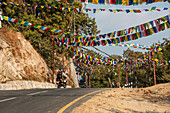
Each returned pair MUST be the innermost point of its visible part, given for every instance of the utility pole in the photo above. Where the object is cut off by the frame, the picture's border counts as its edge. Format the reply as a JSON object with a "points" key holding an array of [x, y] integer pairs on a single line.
{"points": [[89, 81], [74, 20], [126, 77], [119, 77], [136, 78], [86, 82], [154, 67], [53, 63]]}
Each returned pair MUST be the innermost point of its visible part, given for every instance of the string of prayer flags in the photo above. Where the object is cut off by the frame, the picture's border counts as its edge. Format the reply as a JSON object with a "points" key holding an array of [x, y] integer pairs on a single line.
{"points": [[115, 37], [123, 2], [103, 61], [126, 10], [82, 73], [159, 46], [87, 9], [107, 2], [35, 25]]}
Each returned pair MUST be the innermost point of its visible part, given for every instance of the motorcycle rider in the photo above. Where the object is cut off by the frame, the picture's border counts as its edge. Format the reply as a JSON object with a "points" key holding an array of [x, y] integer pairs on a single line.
{"points": [[61, 79], [59, 75], [64, 76]]}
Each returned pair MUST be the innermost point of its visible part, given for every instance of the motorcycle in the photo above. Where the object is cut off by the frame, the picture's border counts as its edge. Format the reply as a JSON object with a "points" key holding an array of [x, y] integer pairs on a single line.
{"points": [[62, 82]]}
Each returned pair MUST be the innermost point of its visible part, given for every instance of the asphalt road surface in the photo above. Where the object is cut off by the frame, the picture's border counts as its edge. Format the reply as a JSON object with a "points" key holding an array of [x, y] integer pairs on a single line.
{"points": [[43, 100]]}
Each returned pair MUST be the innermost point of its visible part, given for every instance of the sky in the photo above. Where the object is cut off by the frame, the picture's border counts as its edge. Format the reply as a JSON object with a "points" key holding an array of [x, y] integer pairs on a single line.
{"points": [[108, 22]]}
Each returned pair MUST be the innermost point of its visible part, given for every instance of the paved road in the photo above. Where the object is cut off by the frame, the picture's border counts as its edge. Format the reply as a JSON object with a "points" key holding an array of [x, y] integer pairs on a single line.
{"points": [[42, 100]]}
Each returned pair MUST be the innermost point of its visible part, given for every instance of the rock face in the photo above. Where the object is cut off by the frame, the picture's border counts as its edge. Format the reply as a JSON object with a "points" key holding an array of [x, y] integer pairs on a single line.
{"points": [[73, 73], [67, 64], [19, 60]]}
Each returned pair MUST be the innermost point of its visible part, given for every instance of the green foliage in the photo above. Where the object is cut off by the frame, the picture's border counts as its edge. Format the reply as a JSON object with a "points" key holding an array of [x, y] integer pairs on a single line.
{"points": [[145, 77], [52, 18]]}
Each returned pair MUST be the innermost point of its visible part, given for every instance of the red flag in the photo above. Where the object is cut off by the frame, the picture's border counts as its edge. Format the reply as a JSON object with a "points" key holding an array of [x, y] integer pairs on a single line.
{"points": [[112, 1], [129, 30]]}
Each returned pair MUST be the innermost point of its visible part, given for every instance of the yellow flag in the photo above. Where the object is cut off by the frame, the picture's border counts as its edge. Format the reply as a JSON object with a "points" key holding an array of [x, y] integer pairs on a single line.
{"points": [[123, 32], [77, 52], [81, 44], [87, 43], [91, 58], [116, 41], [71, 40], [53, 30], [126, 38], [135, 1], [106, 42], [150, 9], [127, 2], [123, 2], [160, 49], [22, 22], [112, 35], [95, 1], [156, 60], [114, 10], [135, 28], [167, 25], [6, 18], [78, 39], [166, 62], [151, 30], [4, 3], [138, 34], [131, 11], [38, 26]]}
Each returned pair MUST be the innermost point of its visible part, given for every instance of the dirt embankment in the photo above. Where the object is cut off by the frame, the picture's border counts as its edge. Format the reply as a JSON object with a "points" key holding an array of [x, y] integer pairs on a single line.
{"points": [[151, 99]]}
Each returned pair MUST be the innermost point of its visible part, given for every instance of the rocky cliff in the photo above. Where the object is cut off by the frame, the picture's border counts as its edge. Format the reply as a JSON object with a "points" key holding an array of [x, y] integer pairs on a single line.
{"points": [[19, 60]]}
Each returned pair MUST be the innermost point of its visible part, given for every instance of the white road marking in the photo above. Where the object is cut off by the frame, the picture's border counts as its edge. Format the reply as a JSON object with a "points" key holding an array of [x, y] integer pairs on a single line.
{"points": [[8, 99], [36, 93]]}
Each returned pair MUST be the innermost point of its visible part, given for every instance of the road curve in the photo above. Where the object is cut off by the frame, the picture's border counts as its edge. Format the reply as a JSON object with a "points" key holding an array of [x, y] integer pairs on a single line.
{"points": [[44, 100]]}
